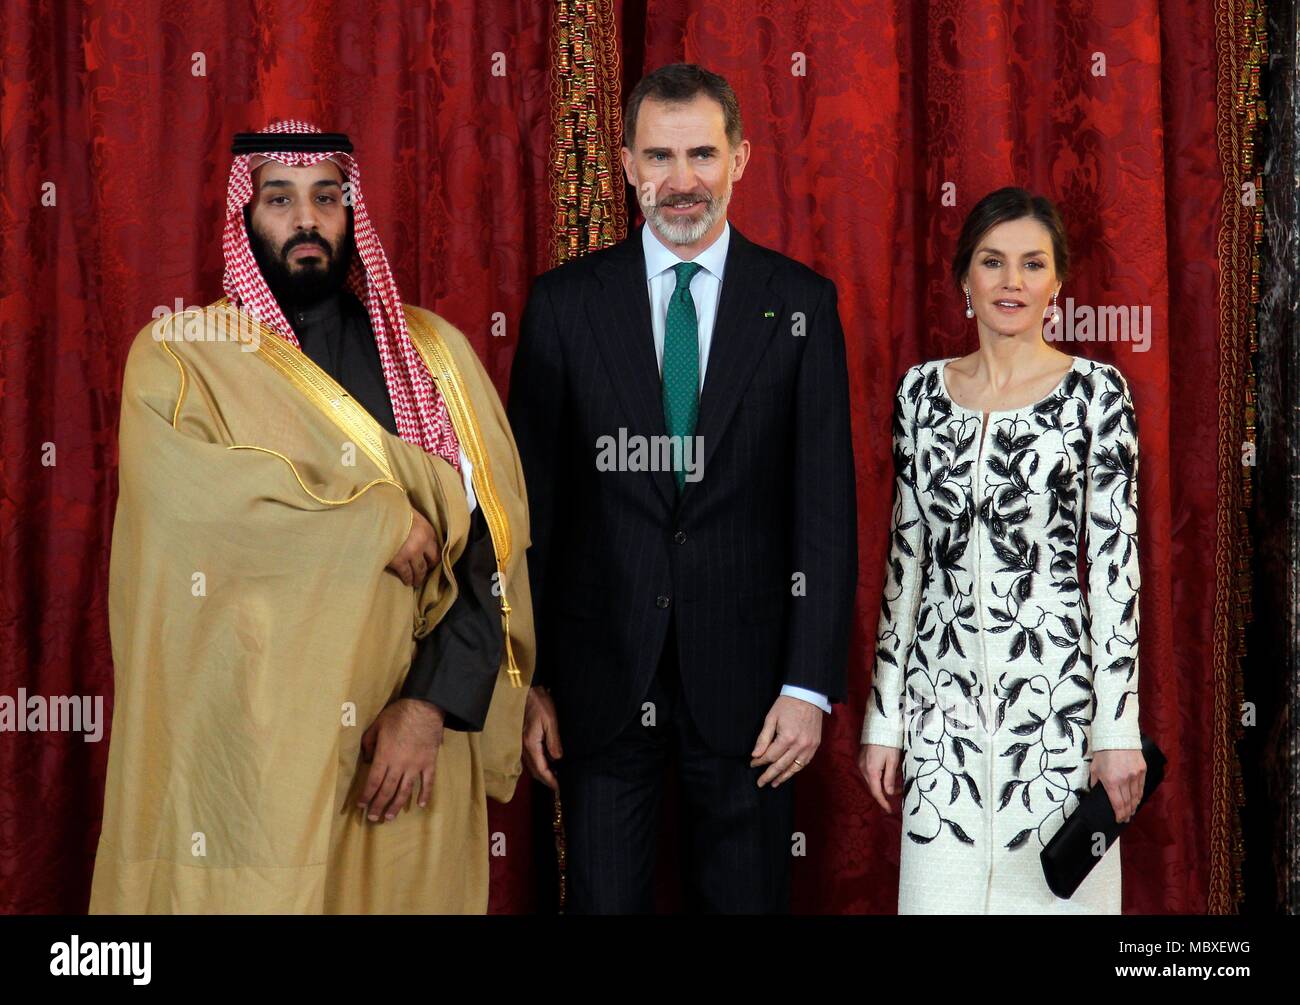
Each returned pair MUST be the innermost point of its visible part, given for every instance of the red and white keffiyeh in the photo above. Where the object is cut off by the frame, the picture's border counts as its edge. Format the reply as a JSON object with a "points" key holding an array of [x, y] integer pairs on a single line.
{"points": [[418, 407]]}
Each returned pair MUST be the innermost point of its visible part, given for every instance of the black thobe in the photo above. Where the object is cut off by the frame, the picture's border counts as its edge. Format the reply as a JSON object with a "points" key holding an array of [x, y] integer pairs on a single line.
{"points": [[455, 665]]}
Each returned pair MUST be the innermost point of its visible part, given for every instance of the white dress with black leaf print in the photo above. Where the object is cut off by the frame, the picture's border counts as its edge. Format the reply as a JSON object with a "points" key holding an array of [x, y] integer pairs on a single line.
{"points": [[998, 672]]}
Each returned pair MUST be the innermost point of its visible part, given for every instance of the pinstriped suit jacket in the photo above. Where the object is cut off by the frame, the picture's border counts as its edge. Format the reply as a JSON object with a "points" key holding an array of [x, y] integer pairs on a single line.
{"points": [[755, 562]]}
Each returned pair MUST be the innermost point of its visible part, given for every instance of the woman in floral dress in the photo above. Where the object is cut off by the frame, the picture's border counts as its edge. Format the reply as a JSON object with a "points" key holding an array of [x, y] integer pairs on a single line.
{"points": [[1006, 678]]}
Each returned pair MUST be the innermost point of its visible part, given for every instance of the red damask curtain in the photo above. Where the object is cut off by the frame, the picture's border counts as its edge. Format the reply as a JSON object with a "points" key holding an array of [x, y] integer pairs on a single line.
{"points": [[115, 122]]}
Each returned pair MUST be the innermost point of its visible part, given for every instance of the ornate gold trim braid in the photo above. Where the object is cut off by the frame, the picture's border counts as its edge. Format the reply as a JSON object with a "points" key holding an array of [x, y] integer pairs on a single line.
{"points": [[328, 502], [1241, 44], [561, 851], [327, 394], [587, 189], [438, 359], [180, 394], [176, 412], [590, 208]]}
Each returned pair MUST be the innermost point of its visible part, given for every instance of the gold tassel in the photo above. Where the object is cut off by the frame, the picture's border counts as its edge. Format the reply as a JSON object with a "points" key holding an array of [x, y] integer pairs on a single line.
{"points": [[440, 364], [516, 680]]}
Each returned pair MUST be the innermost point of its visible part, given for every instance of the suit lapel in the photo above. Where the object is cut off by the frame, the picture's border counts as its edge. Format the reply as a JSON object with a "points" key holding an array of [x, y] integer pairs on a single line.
{"points": [[740, 333], [620, 321]]}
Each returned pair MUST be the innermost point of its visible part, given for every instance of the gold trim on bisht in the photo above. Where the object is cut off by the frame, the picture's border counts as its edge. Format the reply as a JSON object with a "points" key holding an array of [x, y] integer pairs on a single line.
{"points": [[446, 374], [327, 394]]}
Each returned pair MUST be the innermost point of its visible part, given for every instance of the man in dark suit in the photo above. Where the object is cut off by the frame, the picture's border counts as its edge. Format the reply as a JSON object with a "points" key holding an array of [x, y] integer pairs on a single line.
{"points": [[680, 404]]}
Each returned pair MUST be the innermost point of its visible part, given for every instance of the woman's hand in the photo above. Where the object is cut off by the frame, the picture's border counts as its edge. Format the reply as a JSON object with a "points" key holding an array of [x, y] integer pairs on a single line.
{"points": [[418, 554], [1123, 774], [879, 766]]}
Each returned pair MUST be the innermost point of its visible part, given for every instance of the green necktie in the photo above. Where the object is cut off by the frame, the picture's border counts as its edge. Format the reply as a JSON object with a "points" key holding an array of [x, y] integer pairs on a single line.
{"points": [[681, 366]]}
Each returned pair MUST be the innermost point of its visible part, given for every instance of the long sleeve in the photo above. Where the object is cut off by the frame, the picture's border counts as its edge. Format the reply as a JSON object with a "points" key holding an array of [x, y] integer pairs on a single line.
{"points": [[536, 411], [902, 589], [804, 694], [824, 540], [1113, 576], [455, 665]]}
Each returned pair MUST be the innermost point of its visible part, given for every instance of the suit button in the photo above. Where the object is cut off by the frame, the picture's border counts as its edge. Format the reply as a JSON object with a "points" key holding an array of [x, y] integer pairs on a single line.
{"points": [[662, 601], [680, 537]]}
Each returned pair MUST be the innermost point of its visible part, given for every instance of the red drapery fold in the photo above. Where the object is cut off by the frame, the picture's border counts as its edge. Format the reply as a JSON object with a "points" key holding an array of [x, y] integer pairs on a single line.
{"points": [[116, 124]]}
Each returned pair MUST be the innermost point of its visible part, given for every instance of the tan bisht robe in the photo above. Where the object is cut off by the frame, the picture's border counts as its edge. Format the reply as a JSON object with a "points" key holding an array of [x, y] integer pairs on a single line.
{"points": [[256, 633]]}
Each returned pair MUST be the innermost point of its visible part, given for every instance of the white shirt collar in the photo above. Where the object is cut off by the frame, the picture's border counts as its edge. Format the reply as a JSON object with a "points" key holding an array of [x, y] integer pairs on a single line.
{"points": [[659, 257]]}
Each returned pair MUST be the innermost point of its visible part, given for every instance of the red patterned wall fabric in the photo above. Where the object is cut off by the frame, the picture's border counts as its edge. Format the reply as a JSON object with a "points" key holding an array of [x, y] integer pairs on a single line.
{"points": [[115, 123]]}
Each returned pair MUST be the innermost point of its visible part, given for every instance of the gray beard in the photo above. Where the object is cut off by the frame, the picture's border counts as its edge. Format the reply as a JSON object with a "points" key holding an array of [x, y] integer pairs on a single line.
{"points": [[684, 232]]}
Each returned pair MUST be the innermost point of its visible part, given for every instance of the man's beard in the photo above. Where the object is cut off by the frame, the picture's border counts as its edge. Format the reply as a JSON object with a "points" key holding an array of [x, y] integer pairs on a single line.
{"points": [[306, 285], [685, 232]]}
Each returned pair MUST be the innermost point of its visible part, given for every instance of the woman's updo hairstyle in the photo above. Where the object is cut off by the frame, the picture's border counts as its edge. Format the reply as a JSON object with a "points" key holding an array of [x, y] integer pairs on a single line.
{"points": [[1010, 204]]}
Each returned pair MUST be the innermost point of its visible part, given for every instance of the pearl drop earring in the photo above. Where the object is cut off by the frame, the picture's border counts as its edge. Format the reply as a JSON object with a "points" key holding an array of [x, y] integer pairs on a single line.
{"points": [[1055, 312], [970, 311]]}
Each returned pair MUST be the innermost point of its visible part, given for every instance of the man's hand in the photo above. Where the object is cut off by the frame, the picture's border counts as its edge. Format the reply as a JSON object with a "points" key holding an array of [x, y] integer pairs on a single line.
{"points": [[879, 766], [1123, 775], [402, 748], [418, 554], [541, 736], [791, 734]]}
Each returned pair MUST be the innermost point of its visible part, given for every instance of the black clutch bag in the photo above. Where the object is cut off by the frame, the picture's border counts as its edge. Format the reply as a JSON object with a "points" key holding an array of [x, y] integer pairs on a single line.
{"points": [[1068, 857]]}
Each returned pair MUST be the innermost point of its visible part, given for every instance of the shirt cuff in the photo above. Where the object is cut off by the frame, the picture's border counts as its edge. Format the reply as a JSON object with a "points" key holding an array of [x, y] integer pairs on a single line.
{"points": [[812, 697]]}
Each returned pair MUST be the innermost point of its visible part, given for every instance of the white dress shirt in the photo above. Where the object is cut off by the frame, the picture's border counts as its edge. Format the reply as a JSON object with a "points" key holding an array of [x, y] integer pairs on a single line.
{"points": [[706, 285], [467, 474]]}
